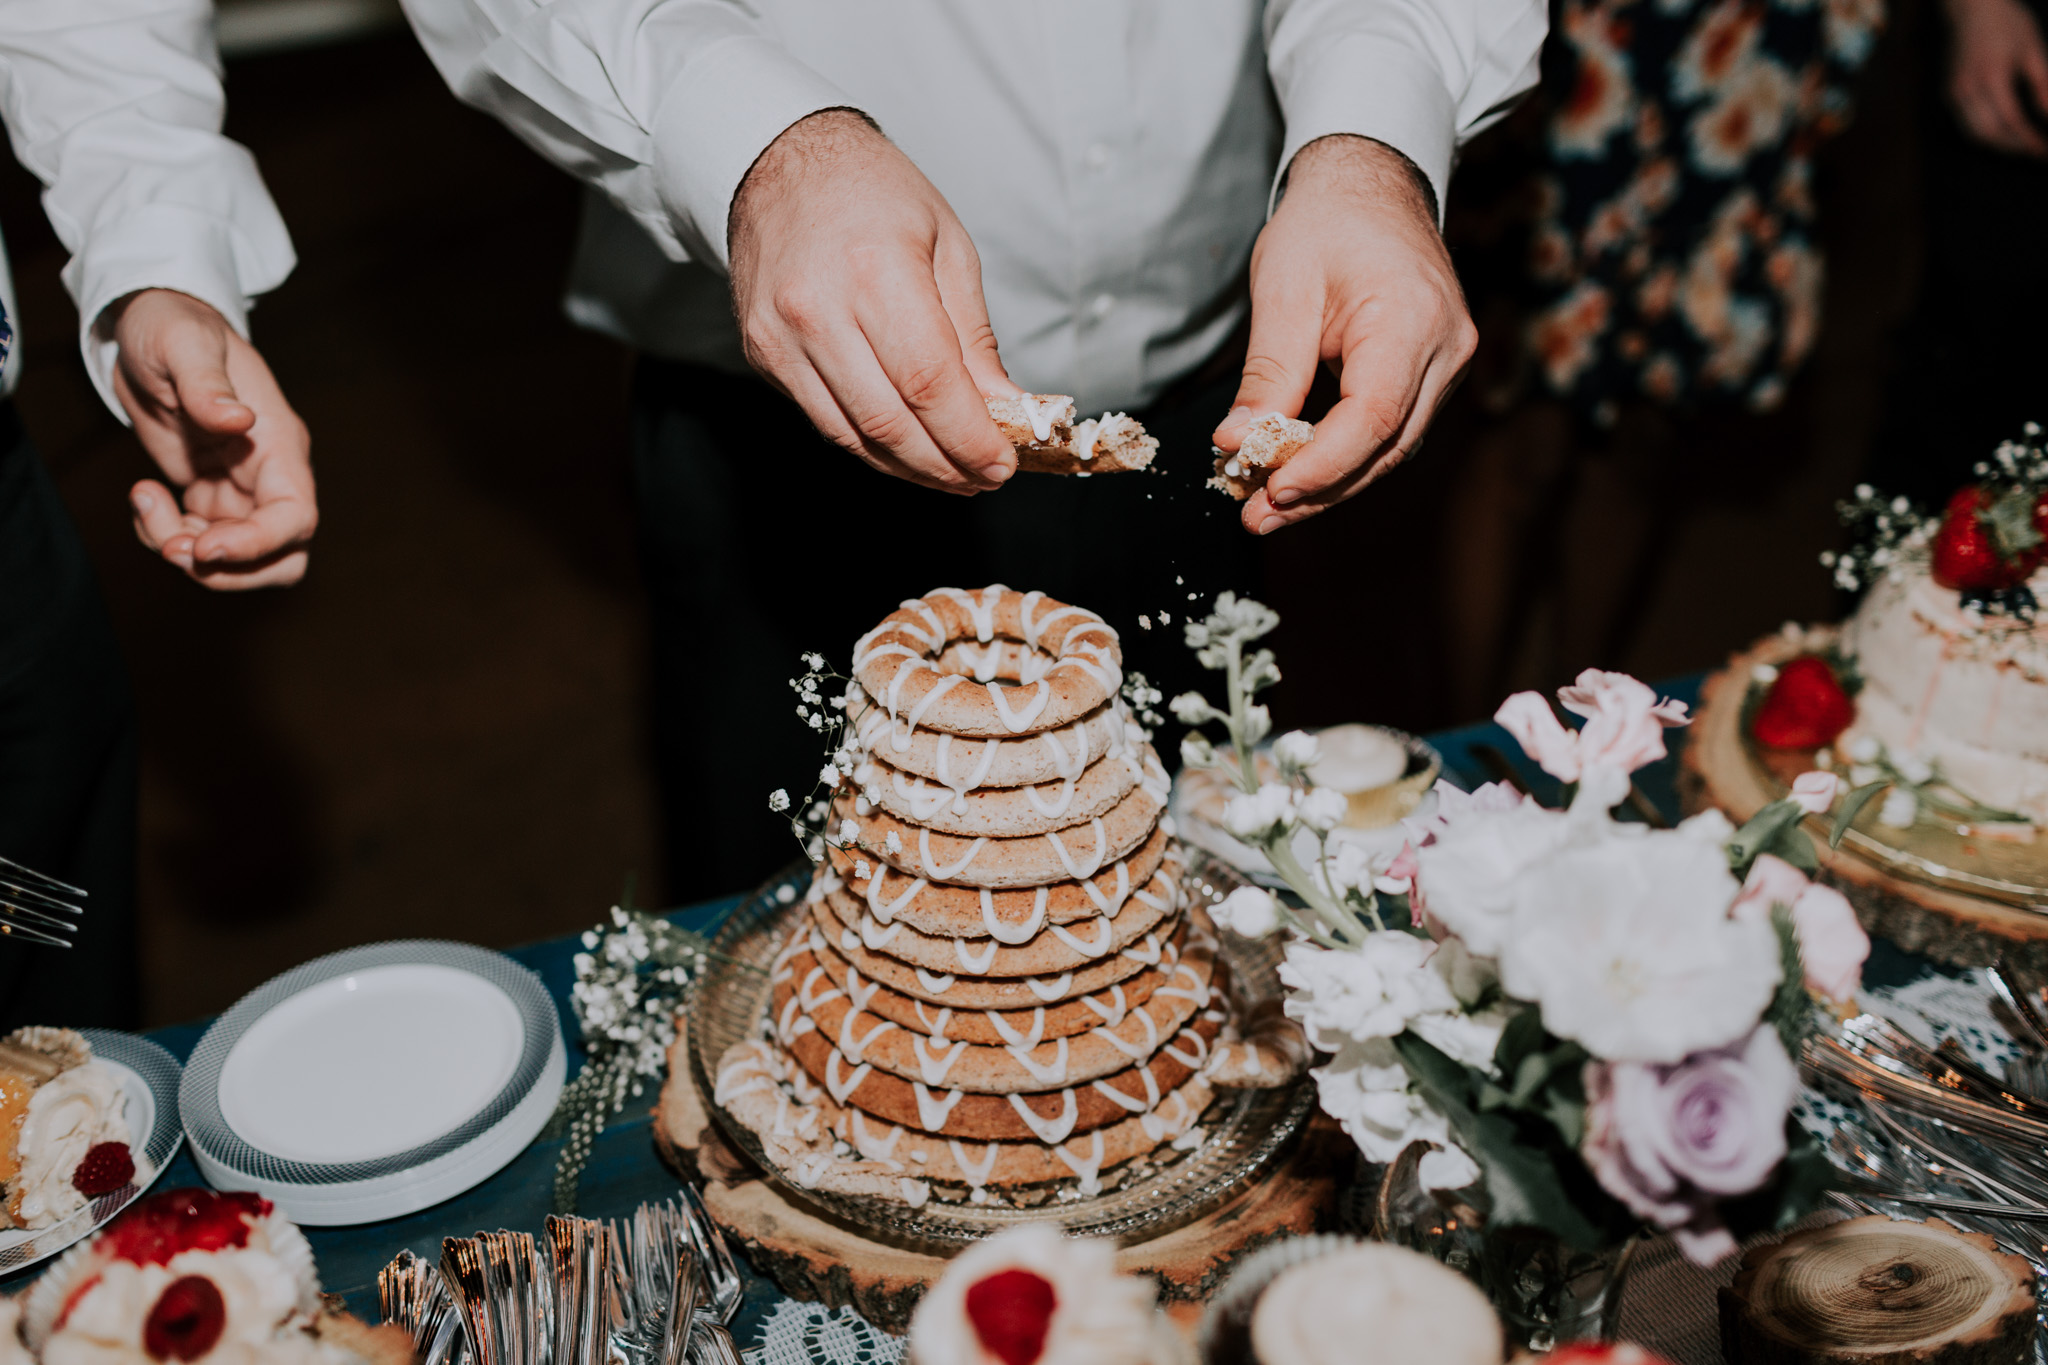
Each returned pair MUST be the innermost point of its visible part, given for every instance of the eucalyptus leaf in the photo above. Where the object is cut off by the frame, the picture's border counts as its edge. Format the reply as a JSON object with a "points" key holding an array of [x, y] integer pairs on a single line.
{"points": [[1852, 806]]}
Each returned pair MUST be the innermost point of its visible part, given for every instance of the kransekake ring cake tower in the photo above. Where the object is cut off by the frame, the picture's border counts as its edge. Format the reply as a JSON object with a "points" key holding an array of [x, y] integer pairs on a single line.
{"points": [[999, 982]]}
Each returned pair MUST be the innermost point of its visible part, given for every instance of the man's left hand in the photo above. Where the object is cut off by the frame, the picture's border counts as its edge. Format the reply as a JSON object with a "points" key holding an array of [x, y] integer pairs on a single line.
{"points": [[209, 412], [1351, 271]]}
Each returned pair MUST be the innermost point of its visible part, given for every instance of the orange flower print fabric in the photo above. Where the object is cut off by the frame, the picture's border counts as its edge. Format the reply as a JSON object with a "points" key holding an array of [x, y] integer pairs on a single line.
{"points": [[1672, 250]]}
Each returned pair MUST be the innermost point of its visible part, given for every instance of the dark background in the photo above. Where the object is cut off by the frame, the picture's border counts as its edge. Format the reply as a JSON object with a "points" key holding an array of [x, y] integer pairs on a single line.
{"points": [[441, 731]]}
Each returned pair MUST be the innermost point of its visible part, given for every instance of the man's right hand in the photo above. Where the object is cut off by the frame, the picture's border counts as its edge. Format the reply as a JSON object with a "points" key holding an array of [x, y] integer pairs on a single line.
{"points": [[858, 294], [1999, 51]]}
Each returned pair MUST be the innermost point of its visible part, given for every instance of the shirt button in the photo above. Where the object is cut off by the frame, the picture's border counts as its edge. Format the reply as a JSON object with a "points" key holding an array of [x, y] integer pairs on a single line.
{"points": [[1099, 306], [1097, 157]]}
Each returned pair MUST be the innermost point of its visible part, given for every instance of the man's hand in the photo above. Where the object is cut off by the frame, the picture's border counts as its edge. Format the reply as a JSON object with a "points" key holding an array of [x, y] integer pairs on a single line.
{"points": [[209, 413], [1351, 270], [1998, 47], [859, 295]]}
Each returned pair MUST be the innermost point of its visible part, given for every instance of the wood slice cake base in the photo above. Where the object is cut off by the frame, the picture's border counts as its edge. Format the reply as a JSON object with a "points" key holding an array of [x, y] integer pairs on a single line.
{"points": [[812, 1256], [1719, 768], [1874, 1290]]}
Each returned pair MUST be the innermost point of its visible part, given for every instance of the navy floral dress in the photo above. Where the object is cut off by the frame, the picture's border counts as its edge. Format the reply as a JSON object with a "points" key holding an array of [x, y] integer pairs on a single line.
{"points": [[1671, 245]]}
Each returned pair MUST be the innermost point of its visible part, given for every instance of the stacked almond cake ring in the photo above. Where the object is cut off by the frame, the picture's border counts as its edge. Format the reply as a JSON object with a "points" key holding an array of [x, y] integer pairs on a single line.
{"points": [[998, 982]]}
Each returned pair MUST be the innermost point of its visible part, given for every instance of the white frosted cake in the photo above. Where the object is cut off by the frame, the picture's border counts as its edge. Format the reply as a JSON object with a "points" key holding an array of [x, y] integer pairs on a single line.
{"points": [[1959, 689]]}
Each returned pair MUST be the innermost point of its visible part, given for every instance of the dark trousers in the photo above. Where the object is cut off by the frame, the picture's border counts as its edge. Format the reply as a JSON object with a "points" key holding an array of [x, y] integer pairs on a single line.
{"points": [[67, 754], [1974, 357], [761, 541]]}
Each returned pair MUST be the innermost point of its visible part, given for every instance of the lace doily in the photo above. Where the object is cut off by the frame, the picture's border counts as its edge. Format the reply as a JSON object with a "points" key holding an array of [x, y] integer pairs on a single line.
{"points": [[812, 1334]]}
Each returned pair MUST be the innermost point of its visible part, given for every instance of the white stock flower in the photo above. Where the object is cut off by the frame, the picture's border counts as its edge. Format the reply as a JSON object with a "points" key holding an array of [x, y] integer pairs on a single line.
{"points": [[1365, 1088], [1258, 723], [1371, 992], [1468, 1039], [1296, 749], [1627, 946], [1249, 910], [1468, 975], [1321, 808], [1483, 846], [1197, 752], [1192, 708], [1709, 827], [1268, 810]]}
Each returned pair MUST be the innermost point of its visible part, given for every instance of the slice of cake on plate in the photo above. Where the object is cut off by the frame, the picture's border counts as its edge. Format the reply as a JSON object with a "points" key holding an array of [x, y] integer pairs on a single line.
{"points": [[64, 1134]]}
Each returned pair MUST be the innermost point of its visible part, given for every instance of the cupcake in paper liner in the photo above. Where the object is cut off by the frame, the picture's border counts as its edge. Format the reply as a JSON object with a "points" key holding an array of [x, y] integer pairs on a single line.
{"points": [[1031, 1296], [64, 1136], [1334, 1300], [186, 1275]]}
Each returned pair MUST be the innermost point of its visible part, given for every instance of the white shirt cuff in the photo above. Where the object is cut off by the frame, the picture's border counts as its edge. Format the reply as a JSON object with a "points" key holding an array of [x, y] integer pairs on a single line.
{"points": [[166, 246], [730, 101], [1381, 89]]}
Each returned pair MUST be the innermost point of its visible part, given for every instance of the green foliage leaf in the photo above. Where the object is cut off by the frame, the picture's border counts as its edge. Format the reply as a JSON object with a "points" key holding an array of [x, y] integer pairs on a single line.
{"points": [[1774, 830], [1791, 1010], [1852, 806]]}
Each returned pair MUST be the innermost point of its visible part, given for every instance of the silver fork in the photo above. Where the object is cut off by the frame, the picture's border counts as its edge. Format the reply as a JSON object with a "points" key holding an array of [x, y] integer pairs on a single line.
{"points": [[711, 1341], [30, 909]]}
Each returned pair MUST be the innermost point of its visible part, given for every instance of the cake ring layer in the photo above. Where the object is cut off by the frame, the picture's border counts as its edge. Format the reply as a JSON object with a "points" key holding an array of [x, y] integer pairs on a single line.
{"points": [[977, 764], [1078, 851], [1161, 946], [1007, 812]]}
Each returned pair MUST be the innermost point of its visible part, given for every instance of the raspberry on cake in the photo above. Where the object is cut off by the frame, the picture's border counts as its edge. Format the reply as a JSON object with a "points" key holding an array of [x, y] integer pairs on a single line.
{"points": [[64, 1134]]}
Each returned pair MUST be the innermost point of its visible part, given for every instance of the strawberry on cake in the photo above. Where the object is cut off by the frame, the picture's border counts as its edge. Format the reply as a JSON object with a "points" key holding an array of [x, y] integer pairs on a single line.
{"points": [[192, 1276]]}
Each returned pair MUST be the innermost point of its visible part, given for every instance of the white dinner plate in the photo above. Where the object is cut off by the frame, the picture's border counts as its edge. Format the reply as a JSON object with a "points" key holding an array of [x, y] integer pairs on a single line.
{"points": [[148, 1076], [376, 1081]]}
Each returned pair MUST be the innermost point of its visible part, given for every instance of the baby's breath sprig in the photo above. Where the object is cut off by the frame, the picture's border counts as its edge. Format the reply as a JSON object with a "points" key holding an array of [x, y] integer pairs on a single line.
{"points": [[630, 980], [1885, 535], [832, 704], [1144, 701]]}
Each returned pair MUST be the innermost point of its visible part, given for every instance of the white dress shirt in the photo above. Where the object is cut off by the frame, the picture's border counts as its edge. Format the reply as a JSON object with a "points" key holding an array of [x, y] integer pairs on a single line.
{"points": [[1112, 159], [115, 105]]}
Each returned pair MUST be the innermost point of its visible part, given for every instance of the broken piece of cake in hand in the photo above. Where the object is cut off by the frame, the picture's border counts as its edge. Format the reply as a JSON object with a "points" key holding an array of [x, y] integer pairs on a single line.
{"points": [[1269, 443], [1048, 440]]}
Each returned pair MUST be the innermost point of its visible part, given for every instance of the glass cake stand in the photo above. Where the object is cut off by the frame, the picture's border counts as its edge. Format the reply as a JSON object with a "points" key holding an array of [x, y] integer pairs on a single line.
{"points": [[1244, 1131]]}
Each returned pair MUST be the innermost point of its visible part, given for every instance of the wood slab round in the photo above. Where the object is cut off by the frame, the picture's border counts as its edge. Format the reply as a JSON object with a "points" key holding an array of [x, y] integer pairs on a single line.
{"points": [[1717, 768], [811, 1256], [1872, 1289]]}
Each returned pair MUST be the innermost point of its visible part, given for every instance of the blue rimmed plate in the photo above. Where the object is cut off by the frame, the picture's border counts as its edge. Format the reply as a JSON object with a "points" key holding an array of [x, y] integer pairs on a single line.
{"points": [[375, 1081], [149, 1086]]}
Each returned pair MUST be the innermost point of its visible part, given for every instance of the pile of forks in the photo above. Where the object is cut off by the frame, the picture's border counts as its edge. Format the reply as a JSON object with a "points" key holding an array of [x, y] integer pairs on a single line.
{"points": [[658, 1289]]}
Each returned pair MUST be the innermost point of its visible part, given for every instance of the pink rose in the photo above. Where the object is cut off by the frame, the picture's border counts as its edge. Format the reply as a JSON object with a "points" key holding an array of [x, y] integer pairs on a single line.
{"points": [[1832, 945], [1541, 734], [1668, 1141], [1625, 722], [1815, 791]]}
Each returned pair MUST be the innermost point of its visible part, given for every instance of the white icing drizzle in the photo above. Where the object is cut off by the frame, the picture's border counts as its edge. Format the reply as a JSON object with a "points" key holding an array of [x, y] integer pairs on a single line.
{"points": [[1149, 954], [1201, 1049], [935, 1027], [1054, 1131], [933, 1113], [874, 935], [1133, 1050], [1040, 412], [1066, 860], [872, 1147], [914, 1192], [854, 992], [934, 1069], [1105, 934], [982, 614], [967, 962], [1197, 992], [778, 969], [1058, 987], [937, 985], [848, 940], [944, 762], [1165, 896], [1019, 721], [839, 1088], [1003, 933], [811, 978], [1130, 1102], [923, 800], [856, 1048], [1089, 1168], [1069, 766], [899, 740], [1112, 906], [793, 1024], [976, 1173], [932, 869], [1156, 1123], [1014, 1038], [1111, 1015], [1056, 808], [1053, 1073]]}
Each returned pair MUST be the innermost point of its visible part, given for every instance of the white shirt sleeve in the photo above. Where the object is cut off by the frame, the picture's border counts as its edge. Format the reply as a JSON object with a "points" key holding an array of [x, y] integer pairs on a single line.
{"points": [[115, 105], [1421, 76], [662, 104]]}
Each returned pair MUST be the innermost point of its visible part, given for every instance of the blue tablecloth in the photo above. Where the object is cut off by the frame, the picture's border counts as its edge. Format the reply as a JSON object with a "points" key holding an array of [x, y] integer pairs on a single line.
{"points": [[624, 1170]]}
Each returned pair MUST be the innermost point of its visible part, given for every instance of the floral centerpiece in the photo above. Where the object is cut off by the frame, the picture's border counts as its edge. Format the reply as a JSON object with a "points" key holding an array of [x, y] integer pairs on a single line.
{"points": [[1590, 1023]]}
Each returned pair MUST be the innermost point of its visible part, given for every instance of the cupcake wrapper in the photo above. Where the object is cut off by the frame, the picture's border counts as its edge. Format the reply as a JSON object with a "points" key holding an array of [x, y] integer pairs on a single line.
{"points": [[1225, 1336]]}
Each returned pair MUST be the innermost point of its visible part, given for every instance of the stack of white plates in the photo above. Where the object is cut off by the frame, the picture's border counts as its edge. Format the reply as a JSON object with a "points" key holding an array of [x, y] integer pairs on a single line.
{"points": [[376, 1081]]}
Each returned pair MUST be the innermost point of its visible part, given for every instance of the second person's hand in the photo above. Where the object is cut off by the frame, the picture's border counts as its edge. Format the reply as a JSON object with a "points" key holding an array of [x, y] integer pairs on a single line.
{"points": [[858, 294]]}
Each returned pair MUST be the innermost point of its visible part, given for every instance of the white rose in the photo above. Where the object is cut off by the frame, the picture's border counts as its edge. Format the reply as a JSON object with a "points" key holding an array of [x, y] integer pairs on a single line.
{"points": [[1250, 911], [1321, 808], [1627, 946], [1371, 992], [1468, 874], [1296, 749], [1268, 810], [1366, 1089]]}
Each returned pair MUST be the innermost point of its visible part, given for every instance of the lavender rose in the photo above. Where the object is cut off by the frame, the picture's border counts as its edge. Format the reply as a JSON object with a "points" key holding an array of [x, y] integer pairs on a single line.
{"points": [[1667, 1141]]}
